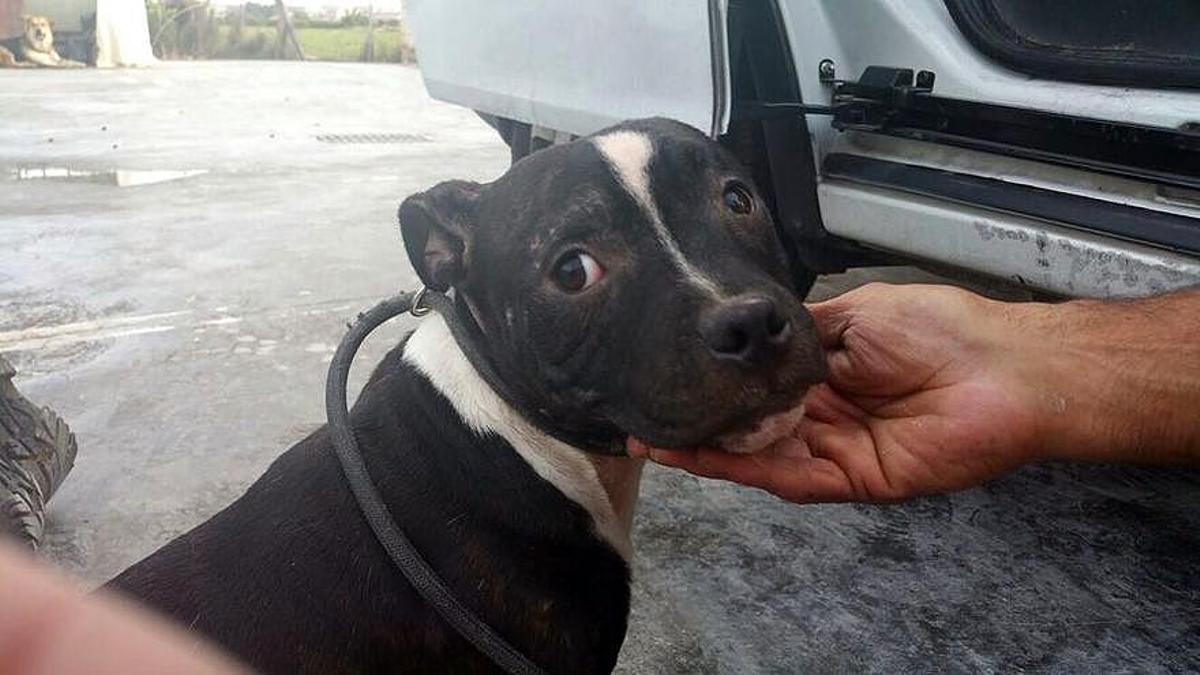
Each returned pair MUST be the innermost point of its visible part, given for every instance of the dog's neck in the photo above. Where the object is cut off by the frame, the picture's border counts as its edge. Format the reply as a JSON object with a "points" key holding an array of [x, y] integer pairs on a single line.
{"points": [[606, 487]]}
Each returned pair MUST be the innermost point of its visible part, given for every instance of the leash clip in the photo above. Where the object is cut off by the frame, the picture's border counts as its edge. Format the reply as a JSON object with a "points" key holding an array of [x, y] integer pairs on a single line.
{"points": [[418, 309]]}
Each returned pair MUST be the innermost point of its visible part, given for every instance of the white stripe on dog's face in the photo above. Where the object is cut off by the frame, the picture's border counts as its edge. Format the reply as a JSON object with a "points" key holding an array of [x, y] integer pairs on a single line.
{"points": [[629, 153]]}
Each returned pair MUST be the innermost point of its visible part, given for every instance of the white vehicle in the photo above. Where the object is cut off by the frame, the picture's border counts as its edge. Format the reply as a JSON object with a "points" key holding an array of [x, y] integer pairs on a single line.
{"points": [[1052, 144]]}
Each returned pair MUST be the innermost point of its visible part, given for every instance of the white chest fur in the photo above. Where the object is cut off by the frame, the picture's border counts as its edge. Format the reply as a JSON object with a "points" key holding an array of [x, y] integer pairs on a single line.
{"points": [[433, 351]]}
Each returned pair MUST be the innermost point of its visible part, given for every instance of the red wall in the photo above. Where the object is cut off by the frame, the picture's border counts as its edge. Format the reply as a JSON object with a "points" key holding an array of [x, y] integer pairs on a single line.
{"points": [[10, 17]]}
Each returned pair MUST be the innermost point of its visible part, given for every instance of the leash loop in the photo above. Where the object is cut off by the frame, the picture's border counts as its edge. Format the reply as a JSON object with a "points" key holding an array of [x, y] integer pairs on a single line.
{"points": [[399, 547], [419, 308]]}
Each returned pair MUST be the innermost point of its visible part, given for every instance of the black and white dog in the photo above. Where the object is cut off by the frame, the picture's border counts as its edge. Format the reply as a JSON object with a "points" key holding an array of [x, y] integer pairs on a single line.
{"points": [[628, 284]]}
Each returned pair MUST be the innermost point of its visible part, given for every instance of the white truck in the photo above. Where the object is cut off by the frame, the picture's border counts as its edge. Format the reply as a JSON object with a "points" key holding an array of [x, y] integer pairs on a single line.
{"points": [[1055, 145]]}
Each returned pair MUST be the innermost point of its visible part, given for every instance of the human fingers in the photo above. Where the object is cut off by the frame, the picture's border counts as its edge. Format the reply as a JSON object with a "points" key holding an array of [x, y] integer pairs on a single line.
{"points": [[832, 317], [784, 472], [835, 315]]}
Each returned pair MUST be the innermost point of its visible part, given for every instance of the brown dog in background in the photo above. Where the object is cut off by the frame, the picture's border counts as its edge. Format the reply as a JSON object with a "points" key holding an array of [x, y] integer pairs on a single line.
{"points": [[35, 47]]}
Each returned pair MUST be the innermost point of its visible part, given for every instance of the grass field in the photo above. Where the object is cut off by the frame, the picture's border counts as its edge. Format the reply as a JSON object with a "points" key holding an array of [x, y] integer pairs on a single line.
{"points": [[346, 44], [319, 44]]}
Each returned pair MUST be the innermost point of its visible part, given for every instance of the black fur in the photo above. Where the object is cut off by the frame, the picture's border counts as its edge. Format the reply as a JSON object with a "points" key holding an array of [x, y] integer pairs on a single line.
{"points": [[290, 579], [16, 45], [626, 356]]}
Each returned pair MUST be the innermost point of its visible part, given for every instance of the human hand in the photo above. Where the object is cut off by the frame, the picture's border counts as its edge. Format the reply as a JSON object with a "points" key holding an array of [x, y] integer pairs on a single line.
{"points": [[931, 389], [48, 626]]}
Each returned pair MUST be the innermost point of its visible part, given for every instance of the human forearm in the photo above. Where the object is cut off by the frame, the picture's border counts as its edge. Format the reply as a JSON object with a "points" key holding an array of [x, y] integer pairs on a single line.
{"points": [[1117, 381]]}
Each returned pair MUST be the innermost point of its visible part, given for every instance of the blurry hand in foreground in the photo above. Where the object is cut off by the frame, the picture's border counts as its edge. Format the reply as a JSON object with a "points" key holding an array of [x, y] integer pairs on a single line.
{"points": [[48, 626]]}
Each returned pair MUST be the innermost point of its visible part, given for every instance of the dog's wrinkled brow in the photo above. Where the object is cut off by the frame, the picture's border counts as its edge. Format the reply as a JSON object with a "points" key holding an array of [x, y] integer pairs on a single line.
{"points": [[629, 153], [582, 215], [575, 228]]}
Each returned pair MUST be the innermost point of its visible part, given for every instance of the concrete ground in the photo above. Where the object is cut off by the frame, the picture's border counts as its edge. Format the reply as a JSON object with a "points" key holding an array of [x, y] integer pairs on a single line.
{"points": [[182, 248]]}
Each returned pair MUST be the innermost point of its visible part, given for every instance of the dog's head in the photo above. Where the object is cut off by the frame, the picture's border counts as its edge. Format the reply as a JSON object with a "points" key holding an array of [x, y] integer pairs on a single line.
{"points": [[632, 281], [39, 33]]}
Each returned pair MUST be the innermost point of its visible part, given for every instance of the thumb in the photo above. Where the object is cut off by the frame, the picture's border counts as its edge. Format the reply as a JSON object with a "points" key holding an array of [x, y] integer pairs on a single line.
{"points": [[832, 318], [845, 370]]}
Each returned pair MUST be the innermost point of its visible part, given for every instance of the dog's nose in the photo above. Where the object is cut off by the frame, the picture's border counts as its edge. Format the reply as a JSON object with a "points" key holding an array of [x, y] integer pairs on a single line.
{"points": [[747, 329]]}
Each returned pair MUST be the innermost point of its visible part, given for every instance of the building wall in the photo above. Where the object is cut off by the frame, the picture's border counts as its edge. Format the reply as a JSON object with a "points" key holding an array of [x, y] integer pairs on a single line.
{"points": [[10, 17], [65, 13]]}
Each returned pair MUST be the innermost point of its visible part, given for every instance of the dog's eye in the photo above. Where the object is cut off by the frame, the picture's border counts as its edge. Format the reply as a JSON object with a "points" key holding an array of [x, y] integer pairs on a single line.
{"points": [[737, 199], [576, 271]]}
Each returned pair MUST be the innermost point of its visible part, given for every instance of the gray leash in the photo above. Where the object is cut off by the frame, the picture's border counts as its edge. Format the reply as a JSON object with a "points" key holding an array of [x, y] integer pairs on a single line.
{"points": [[399, 548]]}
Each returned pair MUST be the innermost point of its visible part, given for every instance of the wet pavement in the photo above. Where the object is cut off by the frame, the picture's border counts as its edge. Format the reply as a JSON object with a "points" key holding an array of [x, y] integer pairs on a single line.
{"points": [[183, 246]]}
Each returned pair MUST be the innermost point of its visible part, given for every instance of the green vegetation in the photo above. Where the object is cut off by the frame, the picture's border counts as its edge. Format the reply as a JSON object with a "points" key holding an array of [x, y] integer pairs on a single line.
{"points": [[318, 43], [346, 44], [190, 29]]}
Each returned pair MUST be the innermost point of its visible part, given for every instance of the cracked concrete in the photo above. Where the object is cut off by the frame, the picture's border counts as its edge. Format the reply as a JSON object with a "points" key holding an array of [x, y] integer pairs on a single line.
{"points": [[182, 326]]}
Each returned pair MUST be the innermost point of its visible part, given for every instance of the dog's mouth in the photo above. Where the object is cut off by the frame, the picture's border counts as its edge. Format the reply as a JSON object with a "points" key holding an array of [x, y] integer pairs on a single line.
{"points": [[773, 423], [764, 431]]}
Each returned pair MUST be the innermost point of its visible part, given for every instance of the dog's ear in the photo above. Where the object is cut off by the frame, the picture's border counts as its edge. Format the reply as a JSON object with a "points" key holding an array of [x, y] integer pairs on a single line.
{"points": [[437, 226]]}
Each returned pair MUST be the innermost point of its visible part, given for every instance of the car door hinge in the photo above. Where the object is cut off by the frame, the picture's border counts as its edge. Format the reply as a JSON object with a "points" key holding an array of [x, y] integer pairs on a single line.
{"points": [[864, 103]]}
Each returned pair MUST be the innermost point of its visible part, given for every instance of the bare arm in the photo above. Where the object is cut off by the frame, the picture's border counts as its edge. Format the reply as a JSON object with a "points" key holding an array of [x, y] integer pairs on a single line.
{"points": [[934, 389], [1128, 377]]}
